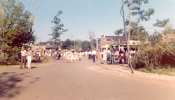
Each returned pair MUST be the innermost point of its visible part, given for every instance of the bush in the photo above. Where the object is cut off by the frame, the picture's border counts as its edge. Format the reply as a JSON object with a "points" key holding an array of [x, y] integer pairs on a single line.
{"points": [[10, 56], [153, 56]]}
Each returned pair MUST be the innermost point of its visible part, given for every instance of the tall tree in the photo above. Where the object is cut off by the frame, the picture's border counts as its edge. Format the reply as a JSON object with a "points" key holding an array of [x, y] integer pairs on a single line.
{"points": [[58, 28], [136, 14], [137, 9], [15, 27]]}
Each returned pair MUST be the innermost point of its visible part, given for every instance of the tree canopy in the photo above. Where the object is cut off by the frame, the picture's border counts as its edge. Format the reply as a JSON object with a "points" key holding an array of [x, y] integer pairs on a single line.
{"points": [[58, 28], [161, 23], [15, 27], [135, 13], [137, 9], [76, 44]]}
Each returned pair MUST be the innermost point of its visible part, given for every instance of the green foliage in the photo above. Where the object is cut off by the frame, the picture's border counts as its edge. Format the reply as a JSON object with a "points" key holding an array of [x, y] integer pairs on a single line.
{"points": [[138, 33], [68, 44], [86, 45], [58, 28], [136, 8], [136, 13], [15, 29], [153, 56], [155, 38], [161, 23], [119, 32], [76, 44], [158, 53]]}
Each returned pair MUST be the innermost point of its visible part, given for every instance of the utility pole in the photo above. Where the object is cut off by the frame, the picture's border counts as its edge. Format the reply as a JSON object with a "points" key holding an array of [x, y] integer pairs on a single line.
{"points": [[127, 34], [97, 44], [74, 45]]}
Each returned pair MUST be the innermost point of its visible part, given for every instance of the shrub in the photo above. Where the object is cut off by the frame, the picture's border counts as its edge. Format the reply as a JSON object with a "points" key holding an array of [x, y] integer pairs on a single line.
{"points": [[9, 56], [153, 56]]}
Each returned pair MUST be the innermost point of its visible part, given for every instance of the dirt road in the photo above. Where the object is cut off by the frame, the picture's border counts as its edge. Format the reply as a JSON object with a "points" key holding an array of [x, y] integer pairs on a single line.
{"points": [[77, 81]]}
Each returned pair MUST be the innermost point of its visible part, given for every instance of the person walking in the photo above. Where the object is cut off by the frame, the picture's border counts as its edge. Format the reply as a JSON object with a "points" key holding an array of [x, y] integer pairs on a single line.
{"points": [[23, 58], [29, 58]]}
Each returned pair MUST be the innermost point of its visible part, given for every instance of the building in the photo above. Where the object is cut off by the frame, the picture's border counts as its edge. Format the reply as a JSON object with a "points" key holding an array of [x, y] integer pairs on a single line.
{"points": [[115, 41], [108, 41]]}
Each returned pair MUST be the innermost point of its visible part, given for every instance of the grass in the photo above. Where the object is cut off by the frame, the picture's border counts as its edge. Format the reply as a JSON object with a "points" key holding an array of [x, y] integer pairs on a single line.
{"points": [[162, 71]]}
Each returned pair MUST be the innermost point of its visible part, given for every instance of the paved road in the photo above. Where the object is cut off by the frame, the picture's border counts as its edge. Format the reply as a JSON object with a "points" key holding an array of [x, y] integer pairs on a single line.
{"points": [[76, 81]]}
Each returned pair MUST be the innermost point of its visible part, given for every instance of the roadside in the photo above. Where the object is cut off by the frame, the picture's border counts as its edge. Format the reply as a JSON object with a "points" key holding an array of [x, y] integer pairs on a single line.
{"points": [[124, 71], [170, 71], [16, 68], [119, 70]]}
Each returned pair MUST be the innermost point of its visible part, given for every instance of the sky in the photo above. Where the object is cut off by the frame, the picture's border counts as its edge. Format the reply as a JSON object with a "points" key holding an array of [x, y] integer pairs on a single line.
{"points": [[82, 17]]}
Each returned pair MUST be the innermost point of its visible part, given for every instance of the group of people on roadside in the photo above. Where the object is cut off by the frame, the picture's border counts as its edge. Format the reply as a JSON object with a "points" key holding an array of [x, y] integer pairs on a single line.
{"points": [[99, 56], [26, 58], [110, 56]]}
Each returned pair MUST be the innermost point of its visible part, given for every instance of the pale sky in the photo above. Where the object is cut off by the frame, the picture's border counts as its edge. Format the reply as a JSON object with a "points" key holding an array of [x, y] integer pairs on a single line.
{"points": [[83, 16]]}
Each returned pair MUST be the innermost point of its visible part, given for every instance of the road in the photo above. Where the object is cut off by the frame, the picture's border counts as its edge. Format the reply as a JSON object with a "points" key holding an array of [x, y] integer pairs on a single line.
{"points": [[77, 81]]}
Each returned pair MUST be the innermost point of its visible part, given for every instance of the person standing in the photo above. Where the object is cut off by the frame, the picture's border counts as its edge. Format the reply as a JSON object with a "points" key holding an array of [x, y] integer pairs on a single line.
{"points": [[116, 54], [98, 58], [29, 58], [104, 56], [109, 60], [23, 58], [94, 56]]}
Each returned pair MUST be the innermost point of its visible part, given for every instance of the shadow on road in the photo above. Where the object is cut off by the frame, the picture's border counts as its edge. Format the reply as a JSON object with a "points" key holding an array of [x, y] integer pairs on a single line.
{"points": [[9, 86], [34, 67]]}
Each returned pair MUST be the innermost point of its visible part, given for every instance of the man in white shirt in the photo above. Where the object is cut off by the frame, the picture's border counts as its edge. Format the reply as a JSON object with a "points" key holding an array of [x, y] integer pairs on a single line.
{"points": [[23, 58], [104, 56]]}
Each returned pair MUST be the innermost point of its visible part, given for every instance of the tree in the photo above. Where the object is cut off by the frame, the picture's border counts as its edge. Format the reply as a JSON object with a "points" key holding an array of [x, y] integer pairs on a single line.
{"points": [[119, 32], [137, 13], [161, 23], [155, 38], [93, 40], [15, 28], [138, 33], [58, 28], [86, 45], [77, 45], [137, 9], [67, 44]]}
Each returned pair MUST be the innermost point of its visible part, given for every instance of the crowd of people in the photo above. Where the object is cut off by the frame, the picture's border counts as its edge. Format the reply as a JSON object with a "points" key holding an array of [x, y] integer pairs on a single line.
{"points": [[72, 56], [104, 56], [110, 56], [66, 55]]}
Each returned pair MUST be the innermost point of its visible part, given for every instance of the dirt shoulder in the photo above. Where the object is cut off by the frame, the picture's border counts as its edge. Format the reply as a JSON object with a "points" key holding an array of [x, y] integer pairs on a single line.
{"points": [[124, 71]]}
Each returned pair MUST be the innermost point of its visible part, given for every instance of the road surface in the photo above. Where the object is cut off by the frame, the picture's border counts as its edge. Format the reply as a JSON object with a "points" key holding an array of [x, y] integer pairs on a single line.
{"points": [[59, 80]]}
